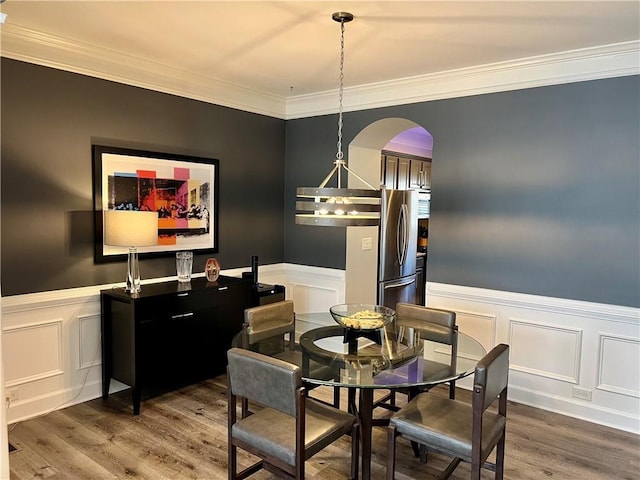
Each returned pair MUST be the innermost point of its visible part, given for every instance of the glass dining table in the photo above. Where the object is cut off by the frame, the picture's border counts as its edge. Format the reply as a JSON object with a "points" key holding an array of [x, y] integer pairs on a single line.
{"points": [[392, 358]]}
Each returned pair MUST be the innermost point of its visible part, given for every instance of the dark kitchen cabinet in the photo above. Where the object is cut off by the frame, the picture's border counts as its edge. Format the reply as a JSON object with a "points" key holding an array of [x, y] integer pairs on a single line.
{"points": [[402, 171], [171, 334], [395, 172], [390, 171], [420, 174]]}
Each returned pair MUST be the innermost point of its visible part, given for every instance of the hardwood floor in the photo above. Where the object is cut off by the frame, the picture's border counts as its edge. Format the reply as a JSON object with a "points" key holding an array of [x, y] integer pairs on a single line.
{"points": [[182, 435]]}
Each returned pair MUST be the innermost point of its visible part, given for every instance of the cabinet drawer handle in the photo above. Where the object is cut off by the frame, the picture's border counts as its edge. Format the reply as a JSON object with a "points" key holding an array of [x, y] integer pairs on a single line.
{"points": [[222, 288], [184, 294], [181, 315]]}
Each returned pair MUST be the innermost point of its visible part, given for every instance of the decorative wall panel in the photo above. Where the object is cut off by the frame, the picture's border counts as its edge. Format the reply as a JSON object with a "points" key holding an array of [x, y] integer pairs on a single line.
{"points": [[43, 342], [89, 338], [546, 350], [616, 373], [480, 326], [309, 298]]}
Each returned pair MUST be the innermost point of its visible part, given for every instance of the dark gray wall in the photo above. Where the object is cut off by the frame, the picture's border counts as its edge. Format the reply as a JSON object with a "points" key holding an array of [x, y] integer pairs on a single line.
{"points": [[49, 120], [534, 191]]}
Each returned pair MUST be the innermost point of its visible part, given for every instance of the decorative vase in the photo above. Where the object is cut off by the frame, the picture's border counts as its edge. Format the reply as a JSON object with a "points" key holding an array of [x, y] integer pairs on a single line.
{"points": [[212, 269]]}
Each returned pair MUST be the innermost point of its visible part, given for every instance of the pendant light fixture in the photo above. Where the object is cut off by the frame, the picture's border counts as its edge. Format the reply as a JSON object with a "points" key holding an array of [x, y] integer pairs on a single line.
{"points": [[338, 207]]}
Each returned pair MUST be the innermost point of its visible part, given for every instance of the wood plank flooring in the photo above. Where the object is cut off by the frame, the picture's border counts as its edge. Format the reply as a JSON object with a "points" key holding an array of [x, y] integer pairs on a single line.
{"points": [[182, 435]]}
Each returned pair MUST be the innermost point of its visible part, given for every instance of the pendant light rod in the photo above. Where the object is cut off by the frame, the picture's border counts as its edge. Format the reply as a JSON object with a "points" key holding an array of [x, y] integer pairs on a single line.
{"points": [[342, 18]]}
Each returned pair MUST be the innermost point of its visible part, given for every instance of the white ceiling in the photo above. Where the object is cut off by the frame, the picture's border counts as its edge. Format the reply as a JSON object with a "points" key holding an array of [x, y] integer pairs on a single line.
{"points": [[285, 51]]}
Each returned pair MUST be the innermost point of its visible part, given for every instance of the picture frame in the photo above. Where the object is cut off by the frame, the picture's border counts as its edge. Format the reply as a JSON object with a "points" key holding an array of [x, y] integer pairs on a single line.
{"points": [[183, 189]]}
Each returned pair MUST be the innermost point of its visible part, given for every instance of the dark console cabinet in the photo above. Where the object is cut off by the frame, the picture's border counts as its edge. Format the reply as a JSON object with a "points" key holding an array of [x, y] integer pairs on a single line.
{"points": [[171, 334]]}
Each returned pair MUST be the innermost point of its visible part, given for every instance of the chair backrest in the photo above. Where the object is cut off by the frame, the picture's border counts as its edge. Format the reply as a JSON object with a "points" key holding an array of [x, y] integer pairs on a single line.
{"points": [[432, 324], [262, 379], [269, 320], [492, 374]]}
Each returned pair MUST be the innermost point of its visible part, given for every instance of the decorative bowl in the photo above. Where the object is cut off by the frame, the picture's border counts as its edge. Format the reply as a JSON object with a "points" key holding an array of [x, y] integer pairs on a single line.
{"points": [[362, 316]]}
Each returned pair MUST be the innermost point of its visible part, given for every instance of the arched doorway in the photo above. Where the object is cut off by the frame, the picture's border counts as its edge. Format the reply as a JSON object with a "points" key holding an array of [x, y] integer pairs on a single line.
{"points": [[365, 158]]}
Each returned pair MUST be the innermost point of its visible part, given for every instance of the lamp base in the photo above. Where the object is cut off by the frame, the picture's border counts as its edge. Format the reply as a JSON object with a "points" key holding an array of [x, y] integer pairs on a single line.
{"points": [[133, 272]]}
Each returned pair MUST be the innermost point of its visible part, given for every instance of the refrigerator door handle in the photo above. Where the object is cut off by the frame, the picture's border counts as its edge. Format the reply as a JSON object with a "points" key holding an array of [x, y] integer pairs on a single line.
{"points": [[396, 285], [403, 234]]}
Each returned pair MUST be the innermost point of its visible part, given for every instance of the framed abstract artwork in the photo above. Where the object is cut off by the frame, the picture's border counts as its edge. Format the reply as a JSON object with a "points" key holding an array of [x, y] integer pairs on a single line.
{"points": [[182, 189]]}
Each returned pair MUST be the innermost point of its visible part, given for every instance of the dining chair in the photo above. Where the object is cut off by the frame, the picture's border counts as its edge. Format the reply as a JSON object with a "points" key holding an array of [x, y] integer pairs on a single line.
{"points": [[268, 326], [289, 428], [466, 432], [430, 324], [270, 329]]}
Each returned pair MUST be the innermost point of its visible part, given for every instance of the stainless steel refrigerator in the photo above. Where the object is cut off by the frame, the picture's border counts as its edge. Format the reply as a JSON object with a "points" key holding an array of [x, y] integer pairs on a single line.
{"points": [[397, 247]]}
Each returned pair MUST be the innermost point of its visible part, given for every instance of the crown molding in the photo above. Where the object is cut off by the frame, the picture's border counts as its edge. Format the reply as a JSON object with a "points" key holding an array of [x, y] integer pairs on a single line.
{"points": [[27, 45], [607, 61]]}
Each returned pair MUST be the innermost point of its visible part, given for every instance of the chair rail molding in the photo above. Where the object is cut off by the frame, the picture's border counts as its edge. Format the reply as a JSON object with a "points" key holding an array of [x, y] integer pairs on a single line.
{"points": [[576, 308]]}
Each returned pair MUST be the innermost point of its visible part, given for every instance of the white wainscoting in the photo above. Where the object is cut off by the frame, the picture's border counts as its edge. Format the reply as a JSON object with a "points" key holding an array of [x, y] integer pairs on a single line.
{"points": [[51, 350], [562, 351], [51, 344], [51, 340]]}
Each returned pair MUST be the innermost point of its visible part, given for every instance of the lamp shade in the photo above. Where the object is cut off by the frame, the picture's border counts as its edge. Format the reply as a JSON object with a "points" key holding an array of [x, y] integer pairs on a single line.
{"points": [[130, 228]]}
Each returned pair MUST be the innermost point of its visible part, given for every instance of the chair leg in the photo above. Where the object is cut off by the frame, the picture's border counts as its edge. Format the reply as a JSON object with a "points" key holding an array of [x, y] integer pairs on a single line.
{"points": [[355, 451], [500, 459], [391, 452], [452, 390], [424, 454], [416, 448], [300, 471], [232, 467], [336, 397], [475, 470], [451, 468], [232, 414]]}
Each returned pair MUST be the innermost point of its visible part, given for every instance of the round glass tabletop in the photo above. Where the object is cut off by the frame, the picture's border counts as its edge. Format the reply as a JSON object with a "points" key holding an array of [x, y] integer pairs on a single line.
{"points": [[388, 357], [397, 359]]}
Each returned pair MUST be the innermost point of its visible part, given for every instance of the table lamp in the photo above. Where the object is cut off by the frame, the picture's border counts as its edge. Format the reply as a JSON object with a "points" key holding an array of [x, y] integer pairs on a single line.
{"points": [[133, 229]]}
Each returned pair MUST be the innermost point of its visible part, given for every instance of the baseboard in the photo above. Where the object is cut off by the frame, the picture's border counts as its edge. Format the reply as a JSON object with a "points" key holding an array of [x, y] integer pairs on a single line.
{"points": [[577, 409], [55, 400]]}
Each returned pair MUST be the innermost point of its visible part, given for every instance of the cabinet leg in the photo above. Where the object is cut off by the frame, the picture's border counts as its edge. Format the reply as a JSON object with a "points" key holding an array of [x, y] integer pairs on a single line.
{"points": [[105, 387], [105, 340], [135, 397]]}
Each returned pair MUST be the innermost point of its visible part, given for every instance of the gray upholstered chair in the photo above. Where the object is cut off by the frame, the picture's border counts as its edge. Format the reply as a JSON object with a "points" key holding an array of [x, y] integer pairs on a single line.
{"points": [[290, 428], [266, 327], [434, 325], [270, 329], [466, 432], [431, 324]]}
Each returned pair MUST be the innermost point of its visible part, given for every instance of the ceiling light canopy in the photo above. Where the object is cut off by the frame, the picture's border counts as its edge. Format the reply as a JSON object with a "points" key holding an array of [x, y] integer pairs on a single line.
{"points": [[338, 207]]}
